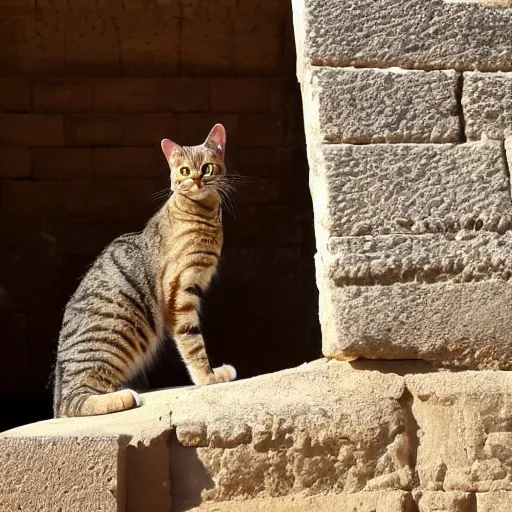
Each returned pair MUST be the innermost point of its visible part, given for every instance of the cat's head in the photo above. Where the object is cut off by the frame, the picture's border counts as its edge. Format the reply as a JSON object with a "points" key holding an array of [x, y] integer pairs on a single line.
{"points": [[196, 169]]}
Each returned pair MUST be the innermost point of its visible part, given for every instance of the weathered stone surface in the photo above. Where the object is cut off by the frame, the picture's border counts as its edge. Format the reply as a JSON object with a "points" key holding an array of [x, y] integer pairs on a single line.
{"points": [[388, 501], [487, 104], [68, 450], [432, 501], [465, 430], [376, 105], [454, 324], [430, 258], [50, 473], [327, 429], [494, 501], [382, 188], [413, 34]]}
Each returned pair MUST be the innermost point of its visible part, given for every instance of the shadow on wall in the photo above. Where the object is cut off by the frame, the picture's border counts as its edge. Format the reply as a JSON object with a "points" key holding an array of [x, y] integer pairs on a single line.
{"points": [[80, 125]]}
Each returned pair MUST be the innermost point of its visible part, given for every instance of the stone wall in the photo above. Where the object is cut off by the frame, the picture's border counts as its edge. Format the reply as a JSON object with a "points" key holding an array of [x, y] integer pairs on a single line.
{"points": [[408, 124], [87, 91]]}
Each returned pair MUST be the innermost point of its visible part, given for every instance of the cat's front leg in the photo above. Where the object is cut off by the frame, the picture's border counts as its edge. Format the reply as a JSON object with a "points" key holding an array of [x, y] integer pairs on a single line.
{"points": [[183, 307]]}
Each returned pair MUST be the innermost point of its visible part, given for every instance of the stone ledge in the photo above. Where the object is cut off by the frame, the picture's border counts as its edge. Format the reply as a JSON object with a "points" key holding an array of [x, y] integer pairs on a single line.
{"points": [[374, 105]]}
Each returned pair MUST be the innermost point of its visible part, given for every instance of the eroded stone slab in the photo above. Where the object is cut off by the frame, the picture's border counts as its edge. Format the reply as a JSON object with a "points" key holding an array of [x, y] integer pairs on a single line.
{"points": [[49, 473], [494, 502], [487, 104], [319, 428], [381, 105], [430, 501], [413, 34], [452, 324], [390, 501], [395, 188], [465, 432]]}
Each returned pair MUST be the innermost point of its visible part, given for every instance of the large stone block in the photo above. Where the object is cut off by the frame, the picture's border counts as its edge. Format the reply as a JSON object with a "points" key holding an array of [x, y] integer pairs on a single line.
{"points": [[329, 428], [376, 105], [494, 501], [465, 433], [403, 188], [51, 473], [464, 324], [487, 104], [413, 34], [431, 501]]}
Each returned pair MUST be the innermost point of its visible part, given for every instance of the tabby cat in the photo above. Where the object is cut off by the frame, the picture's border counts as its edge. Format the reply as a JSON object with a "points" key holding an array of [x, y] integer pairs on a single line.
{"points": [[145, 286]]}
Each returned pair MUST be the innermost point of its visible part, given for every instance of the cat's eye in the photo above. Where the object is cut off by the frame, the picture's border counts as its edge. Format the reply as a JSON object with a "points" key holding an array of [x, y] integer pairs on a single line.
{"points": [[209, 169], [184, 171]]}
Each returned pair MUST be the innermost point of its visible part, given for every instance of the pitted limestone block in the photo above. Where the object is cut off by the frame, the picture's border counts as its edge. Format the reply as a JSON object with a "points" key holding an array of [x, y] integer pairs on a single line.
{"points": [[494, 501], [319, 428], [395, 188], [487, 104], [381, 105], [51, 473], [438, 501], [465, 426], [431, 258], [389, 501], [464, 325], [412, 34]]}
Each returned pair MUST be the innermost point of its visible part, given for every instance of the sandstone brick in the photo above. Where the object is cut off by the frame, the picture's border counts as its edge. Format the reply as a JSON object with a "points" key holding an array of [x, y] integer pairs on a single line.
{"points": [[259, 129], [126, 162], [258, 46], [430, 501], [15, 162], [31, 130], [183, 94], [53, 484], [494, 501], [417, 35], [62, 96], [93, 129], [487, 103], [464, 419], [14, 376], [150, 39], [207, 45], [148, 129], [379, 188], [372, 105], [251, 450], [125, 95], [101, 198], [15, 94], [240, 94], [92, 43], [62, 163], [390, 501]]}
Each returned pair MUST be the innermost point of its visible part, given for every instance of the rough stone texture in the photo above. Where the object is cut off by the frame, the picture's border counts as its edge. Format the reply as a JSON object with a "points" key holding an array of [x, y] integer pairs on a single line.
{"points": [[430, 501], [380, 188], [50, 473], [457, 325], [70, 445], [390, 501], [328, 429], [383, 33], [494, 501], [487, 104], [465, 430], [373, 105]]}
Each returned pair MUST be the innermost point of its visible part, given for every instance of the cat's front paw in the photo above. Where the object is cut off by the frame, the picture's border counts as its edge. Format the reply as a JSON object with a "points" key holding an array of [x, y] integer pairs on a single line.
{"points": [[224, 373]]}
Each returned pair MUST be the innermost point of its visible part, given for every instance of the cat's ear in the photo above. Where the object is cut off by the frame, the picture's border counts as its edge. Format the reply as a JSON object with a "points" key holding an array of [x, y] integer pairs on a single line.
{"points": [[217, 139], [168, 147]]}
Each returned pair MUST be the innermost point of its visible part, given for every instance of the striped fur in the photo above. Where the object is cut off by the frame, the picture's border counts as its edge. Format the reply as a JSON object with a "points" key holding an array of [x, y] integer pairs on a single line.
{"points": [[144, 286]]}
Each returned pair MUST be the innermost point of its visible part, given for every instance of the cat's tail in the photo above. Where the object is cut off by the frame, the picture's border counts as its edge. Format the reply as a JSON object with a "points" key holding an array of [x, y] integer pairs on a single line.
{"points": [[82, 401]]}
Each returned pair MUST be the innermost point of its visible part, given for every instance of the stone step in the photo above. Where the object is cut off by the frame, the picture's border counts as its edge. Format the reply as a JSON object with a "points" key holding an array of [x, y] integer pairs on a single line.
{"points": [[328, 435]]}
